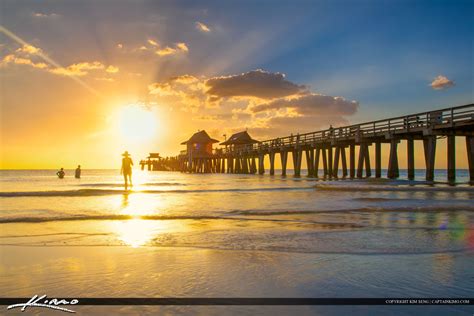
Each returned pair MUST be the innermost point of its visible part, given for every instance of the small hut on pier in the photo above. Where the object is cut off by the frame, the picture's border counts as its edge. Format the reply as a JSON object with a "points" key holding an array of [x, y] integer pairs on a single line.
{"points": [[239, 140], [153, 161], [199, 145]]}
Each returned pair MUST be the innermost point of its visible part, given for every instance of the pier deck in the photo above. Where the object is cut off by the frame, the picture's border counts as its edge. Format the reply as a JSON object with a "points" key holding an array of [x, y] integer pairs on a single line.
{"points": [[329, 147]]}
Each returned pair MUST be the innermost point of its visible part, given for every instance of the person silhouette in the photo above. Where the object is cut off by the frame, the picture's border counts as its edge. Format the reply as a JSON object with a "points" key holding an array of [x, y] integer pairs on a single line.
{"points": [[77, 174], [126, 169], [61, 173]]}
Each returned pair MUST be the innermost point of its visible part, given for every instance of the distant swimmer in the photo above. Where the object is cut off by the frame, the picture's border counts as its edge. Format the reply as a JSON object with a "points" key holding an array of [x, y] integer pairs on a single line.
{"points": [[77, 175], [61, 173], [126, 169]]}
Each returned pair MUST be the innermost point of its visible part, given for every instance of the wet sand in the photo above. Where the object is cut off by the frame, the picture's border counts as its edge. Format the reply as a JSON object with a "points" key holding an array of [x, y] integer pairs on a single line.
{"points": [[119, 271]]}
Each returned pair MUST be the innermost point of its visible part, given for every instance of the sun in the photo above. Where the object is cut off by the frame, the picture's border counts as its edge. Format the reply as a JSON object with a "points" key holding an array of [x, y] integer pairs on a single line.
{"points": [[137, 123]]}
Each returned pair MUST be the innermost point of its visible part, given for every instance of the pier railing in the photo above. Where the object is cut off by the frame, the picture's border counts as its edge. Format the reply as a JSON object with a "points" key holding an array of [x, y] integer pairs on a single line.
{"points": [[443, 118]]}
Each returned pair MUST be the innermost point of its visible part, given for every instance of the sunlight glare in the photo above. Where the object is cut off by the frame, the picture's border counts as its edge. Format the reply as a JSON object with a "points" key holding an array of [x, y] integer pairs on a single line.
{"points": [[136, 232], [136, 123]]}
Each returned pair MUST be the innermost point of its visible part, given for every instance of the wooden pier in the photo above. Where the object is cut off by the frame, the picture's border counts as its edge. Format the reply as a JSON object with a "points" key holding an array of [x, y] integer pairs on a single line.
{"points": [[327, 148]]}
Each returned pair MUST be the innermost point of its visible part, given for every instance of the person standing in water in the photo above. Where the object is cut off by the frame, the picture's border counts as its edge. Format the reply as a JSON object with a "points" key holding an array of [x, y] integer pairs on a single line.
{"points": [[77, 175], [126, 169], [61, 173]]}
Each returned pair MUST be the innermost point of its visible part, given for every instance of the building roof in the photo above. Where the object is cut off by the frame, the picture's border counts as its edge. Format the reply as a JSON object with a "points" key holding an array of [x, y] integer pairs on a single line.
{"points": [[200, 137], [154, 156], [241, 138]]}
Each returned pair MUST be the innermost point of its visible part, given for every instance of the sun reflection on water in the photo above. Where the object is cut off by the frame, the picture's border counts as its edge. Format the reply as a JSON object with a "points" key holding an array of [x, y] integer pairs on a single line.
{"points": [[137, 232]]}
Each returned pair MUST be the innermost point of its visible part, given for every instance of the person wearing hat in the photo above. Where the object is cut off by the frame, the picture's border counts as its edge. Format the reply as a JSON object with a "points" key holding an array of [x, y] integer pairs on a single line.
{"points": [[126, 170]]}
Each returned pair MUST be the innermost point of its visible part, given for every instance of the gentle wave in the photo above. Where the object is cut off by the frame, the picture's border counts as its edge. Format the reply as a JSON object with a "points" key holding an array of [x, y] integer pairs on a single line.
{"points": [[120, 185], [370, 199], [244, 215], [99, 192], [166, 217], [97, 217], [413, 188], [428, 208]]}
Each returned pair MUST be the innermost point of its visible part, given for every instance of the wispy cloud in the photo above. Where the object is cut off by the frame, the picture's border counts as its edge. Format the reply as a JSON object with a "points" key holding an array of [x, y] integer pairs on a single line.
{"points": [[104, 79], [28, 55], [45, 58], [441, 83], [179, 47], [23, 56], [153, 43], [112, 69], [182, 46], [79, 69], [12, 59], [166, 51], [154, 46], [202, 27], [43, 15], [29, 49]]}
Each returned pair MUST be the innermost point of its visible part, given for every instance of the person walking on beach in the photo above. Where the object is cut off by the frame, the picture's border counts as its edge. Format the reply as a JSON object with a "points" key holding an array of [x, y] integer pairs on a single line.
{"points": [[61, 173], [77, 174], [126, 169]]}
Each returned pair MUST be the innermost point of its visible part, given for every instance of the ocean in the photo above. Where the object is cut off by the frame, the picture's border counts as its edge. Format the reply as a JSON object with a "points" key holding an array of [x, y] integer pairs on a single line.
{"points": [[226, 235]]}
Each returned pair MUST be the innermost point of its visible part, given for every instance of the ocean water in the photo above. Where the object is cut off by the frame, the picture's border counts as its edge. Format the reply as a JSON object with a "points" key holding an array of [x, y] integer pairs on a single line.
{"points": [[337, 238]]}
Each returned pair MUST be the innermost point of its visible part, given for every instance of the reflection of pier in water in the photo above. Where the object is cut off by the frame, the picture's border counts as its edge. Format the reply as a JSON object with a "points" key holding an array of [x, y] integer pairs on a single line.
{"points": [[329, 147]]}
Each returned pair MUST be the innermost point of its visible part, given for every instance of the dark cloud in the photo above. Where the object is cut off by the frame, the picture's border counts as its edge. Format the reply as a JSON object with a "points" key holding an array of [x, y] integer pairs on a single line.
{"points": [[266, 103], [256, 83]]}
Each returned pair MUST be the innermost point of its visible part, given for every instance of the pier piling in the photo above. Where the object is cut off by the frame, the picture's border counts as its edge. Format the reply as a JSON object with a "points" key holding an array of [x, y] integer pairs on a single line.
{"points": [[429, 145], [470, 156], [451, 158], [411, 158]]}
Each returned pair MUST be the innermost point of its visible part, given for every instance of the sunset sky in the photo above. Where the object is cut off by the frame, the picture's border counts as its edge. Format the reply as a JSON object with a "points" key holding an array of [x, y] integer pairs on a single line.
{"points": [[82, 81]]}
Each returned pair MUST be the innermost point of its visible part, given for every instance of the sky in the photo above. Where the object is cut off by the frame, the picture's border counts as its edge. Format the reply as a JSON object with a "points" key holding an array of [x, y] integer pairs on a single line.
{"points": [[83, 81]]}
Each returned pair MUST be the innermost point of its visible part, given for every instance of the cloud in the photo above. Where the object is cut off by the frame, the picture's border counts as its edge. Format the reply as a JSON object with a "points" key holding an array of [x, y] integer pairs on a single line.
{"points": [[179, 47], [265, 102], [29, 49], [29, 55], [42, 15], [105, 79], [186, 92], [153, 43], [154, 46], [186, 79], [161, 89], [166, 51], [12, 59], [202, 27], [112, 69], [79, 69], [441, 83], [182, 46], [311, 104], [257, 83], [23, 56]]}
